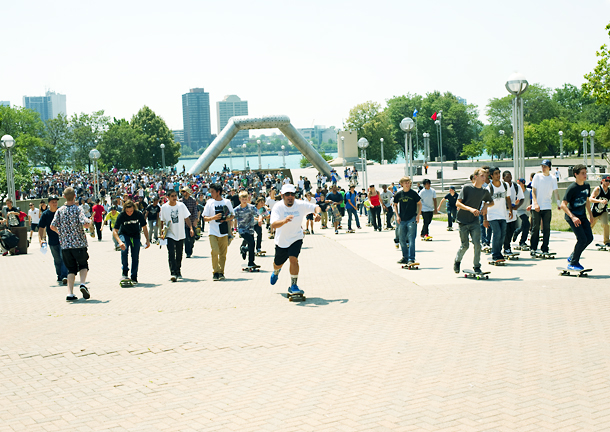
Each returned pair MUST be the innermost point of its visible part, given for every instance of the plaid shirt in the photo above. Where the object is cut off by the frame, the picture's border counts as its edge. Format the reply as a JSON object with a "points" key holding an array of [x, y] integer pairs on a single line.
{"points": [[191, 205]]}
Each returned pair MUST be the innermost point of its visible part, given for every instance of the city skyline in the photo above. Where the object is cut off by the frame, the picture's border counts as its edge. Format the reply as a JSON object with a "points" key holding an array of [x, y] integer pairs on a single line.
{"points": [[311, 63]]}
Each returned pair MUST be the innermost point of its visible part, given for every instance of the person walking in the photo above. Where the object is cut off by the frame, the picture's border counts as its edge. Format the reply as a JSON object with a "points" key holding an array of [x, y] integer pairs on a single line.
{"points": [[386, 199], [472, 202], [428, 198], [375, 208], [219, 213], [175, 216], [499, 213], [523, 215], [98, 218], [34, 220], [69, 223], [351, 199], [544, 186], [247, 217], [191, 206], [286, 218], [407, 206], [334, 198], [599, 212], [516, 198], [152, 217], [126, 232], [45, 234], [451, 199]]}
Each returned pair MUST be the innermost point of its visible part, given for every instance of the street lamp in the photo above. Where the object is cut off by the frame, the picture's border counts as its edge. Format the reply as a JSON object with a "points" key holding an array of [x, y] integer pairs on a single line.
{"points": [[283, 157], [561, 144], [363, 143], [260, 164], [584, 135], [440, 147], [591, 135], [94, 155], [163, 156], [343, 149], [517, 85], [244, 147], [230, 159], [381, 140], [426, 136], [407, 124], [501, 137], [7, 142]]}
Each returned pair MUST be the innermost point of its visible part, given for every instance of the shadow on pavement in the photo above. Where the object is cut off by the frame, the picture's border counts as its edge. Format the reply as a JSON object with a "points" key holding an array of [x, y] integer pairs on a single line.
{"points": [[315, 301], [90, 301]]}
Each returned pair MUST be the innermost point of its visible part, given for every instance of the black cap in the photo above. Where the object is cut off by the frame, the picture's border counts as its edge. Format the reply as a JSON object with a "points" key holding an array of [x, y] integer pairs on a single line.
{"points": [[53, 198]]}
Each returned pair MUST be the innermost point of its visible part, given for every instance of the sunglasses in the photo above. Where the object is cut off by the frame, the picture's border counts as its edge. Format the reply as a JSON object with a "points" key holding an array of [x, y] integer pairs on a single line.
{"points": [[289, 193]]}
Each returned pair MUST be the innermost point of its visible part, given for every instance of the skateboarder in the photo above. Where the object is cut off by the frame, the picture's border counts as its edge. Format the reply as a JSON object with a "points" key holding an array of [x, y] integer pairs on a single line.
{"points": [[333, 198], [126, 232], [516, 198], [600, 211], [286, 218], [407, 206], [500, 213], [429, 206], [451, 199], [247, 216], [473, 201], [544, 185], [219, 213], [352, 209], [576, 204], [175, 215], [523, 215]]}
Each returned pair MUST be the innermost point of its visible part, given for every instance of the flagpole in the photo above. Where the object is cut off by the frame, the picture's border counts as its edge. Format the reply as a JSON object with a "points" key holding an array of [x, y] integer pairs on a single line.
{"points": [[416, 136]]}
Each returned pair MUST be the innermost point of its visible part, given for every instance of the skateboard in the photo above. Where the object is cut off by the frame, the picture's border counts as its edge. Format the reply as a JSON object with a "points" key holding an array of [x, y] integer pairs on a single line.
{"points": [[602, 247], [474, 275], [522, 248], [486, 249], [350, 231], [566, 272], [499, 262], [544, 255], [426, 238], [449, 229], [261, 253], [92, 233], [255, 268], [198, 232], [296, 297], [414, 266], [162, 235], [512, 256], [126, 283], [336, 213]]}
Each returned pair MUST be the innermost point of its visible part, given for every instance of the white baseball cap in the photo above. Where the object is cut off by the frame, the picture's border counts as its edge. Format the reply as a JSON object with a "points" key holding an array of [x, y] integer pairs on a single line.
{"points": [[288, 188]]}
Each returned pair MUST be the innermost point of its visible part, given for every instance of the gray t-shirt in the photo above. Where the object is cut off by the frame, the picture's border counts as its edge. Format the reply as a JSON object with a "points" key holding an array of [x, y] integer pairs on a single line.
{"points": [[472, 197], [386, 197]]}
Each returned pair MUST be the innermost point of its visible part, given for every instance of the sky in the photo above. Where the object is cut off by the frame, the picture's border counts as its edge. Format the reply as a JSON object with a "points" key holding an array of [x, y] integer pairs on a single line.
{"points": [[310, 60]]}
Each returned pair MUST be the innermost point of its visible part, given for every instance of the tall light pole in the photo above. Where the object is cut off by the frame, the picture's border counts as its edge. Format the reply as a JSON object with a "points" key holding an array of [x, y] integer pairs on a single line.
{"points": [[363, 143], [407, 125], [343, 149], [260, 164], [426, 136], [163, 156], [561, 144], [94, 155], [230, 158], [7, 142], [584, 135], [502, 138], [591, 135], [517, 85], [244, 148], [437, 122], [283, 157], [382, 159]]}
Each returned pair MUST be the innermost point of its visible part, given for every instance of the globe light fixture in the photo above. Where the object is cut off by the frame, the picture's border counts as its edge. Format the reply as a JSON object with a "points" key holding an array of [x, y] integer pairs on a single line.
{"points": [[382, 159], [7, 142], [95, 155], [561, 144], [363, 143], [516, 85]]}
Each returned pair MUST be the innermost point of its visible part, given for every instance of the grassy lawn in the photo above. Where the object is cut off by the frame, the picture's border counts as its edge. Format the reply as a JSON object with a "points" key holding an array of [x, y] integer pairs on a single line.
{"points": [[558, 222]]}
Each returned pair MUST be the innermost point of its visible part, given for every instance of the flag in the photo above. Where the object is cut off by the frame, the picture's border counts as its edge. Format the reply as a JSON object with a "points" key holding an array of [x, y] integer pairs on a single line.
{"points": [[415, 112], [433, 116]]}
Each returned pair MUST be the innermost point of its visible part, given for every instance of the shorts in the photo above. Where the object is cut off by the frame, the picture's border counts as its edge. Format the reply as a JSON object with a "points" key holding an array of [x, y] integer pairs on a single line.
{"points": [[309, 216], [34, 227], [282, 254], [75, 259], [603, 218]]}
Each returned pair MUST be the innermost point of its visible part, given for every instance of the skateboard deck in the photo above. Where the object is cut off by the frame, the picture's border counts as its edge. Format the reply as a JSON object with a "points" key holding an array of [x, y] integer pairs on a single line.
{"points": [[261, 253], [522, 248], [574, 273], [251, 269], [545, 255], [92, 233], [472, 274], [296, 297], [162, 235], [336, 212], [414, 266], [126, 283], [350, 231], [513, 256], [427, 238], [602, 247], [499, 262]]}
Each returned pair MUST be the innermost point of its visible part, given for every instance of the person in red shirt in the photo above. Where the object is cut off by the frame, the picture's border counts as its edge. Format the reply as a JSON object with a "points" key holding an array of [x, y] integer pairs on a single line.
{"points": [[98, 217]]}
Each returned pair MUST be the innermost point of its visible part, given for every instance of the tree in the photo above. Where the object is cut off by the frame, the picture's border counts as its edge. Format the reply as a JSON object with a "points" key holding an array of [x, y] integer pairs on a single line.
{"points": [[598, 81], [87, 130], [371, 123], [118, 145], [53, 150], [472, 150], [155, 132], [494, 143], [538, 105]]}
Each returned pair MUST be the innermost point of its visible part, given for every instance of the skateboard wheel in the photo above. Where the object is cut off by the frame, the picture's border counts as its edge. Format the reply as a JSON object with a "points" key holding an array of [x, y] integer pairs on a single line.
{"points": [[486, 277]]}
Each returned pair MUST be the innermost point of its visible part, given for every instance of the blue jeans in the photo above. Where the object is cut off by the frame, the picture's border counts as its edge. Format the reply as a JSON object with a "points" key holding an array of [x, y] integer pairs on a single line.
{"points": [[498, 232], [584, 237], [352, 212], [407, 234], [485, 232], [132, 243], [60, 268], [474, 231], [451, 216]]}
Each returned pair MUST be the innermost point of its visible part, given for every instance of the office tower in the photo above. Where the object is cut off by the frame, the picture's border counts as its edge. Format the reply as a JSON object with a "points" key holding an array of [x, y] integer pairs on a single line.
{"points": [[196, 119], [231, 106], [178, 136], [5, 103], [48, 106]]}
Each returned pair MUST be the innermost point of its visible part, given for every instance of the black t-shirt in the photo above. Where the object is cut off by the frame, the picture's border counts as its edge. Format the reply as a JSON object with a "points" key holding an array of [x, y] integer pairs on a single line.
{"points": [[472, 196], [307, 184], [335, 197], [451, 200], [407, 204], [576, 196], [130, 225], [153, 211], [234, 200], [45, 222]]}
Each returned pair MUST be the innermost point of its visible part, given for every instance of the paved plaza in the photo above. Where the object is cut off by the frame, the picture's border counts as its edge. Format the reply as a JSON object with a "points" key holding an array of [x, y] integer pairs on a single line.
{"points": [[374, 347]]}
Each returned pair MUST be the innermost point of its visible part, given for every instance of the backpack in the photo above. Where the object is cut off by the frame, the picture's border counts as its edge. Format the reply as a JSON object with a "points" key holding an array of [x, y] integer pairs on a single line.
{"points": [[9, 241]]}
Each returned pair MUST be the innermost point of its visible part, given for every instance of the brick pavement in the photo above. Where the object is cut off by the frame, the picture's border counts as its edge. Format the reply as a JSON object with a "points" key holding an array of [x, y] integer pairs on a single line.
{"points": [[373, 348]]}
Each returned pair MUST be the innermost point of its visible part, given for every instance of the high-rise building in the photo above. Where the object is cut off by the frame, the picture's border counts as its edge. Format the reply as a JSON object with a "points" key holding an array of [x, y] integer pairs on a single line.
{"points": [[178, 136], [461, 100], [231, 106], [5, 103], [48, 106], [196, 119]]}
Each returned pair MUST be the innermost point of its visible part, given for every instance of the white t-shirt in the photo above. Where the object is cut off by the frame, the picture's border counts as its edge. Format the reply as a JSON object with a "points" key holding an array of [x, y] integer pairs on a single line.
{"points": [[292, 231], [270, 202], [498, 194], [514, 197], [287, 180], [544, 185], [35, 215], [210, 210], [427, 199], [173, 217]]}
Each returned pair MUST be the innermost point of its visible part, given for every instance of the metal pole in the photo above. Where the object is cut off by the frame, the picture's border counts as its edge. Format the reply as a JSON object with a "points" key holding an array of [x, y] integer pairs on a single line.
{"points": [[515, 137], [416, 136], [522, 142], [10, 175], [244, 158], [362, 167], [440, 128], [406, 154], [382, 151], [260, 164], [412, 164], [230, 161], [561, 146], [163, 158], [592, 155], [366, 174], [584, 149]]}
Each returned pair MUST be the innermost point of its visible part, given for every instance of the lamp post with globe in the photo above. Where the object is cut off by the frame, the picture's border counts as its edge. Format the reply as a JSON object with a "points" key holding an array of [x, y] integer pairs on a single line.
{"points": [[95, 155], [561, 144], [7, 143], [407, 125], [517, 85], [591, 135], [381, 141], [584, 135], [437, 122], [163, 156], [363, 143]]}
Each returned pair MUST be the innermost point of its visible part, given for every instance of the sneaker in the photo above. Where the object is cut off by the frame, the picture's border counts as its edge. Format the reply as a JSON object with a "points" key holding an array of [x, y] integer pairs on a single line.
{"points": [[570, 259], [411, 262], [477, 270], [221, 276], [84, 291], [312, 232], [71, 297], [179, 275], [64, 281], [402, 261], [244, 251], [336, 232], [274, 278], [456, 266], [575, 267], [134, 279], [188, 256], [215, 277], [173, 278], [294, 290], [508, 252]]}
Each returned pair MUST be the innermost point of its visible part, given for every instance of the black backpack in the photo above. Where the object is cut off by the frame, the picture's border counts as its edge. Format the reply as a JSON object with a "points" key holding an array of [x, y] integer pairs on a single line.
{"points": [[8, 240]]}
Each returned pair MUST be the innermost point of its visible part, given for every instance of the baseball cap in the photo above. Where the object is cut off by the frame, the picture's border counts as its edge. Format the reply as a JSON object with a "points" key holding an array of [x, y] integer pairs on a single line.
{"points": [[53, 198], [607, 178], [546, 162], [288, 188], [452, 187]]}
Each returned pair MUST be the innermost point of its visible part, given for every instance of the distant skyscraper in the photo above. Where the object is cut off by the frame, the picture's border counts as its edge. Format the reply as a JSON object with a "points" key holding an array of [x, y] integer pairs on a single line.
{"points": [[232, 106], [178, 136], [462, 100], [5, 103], [196, 118], [48, 106]]}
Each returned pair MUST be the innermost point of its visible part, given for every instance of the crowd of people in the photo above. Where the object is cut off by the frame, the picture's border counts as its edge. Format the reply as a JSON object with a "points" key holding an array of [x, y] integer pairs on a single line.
{"points": [[140, 208]]}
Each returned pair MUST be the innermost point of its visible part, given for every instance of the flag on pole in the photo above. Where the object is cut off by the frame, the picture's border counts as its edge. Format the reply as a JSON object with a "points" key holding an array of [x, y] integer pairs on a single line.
{"points": [[415, 112], [433, 117]]}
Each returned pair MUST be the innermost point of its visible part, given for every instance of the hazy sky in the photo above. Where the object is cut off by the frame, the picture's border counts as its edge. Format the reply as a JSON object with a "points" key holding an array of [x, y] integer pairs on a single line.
{"points": [[311, 60]]}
